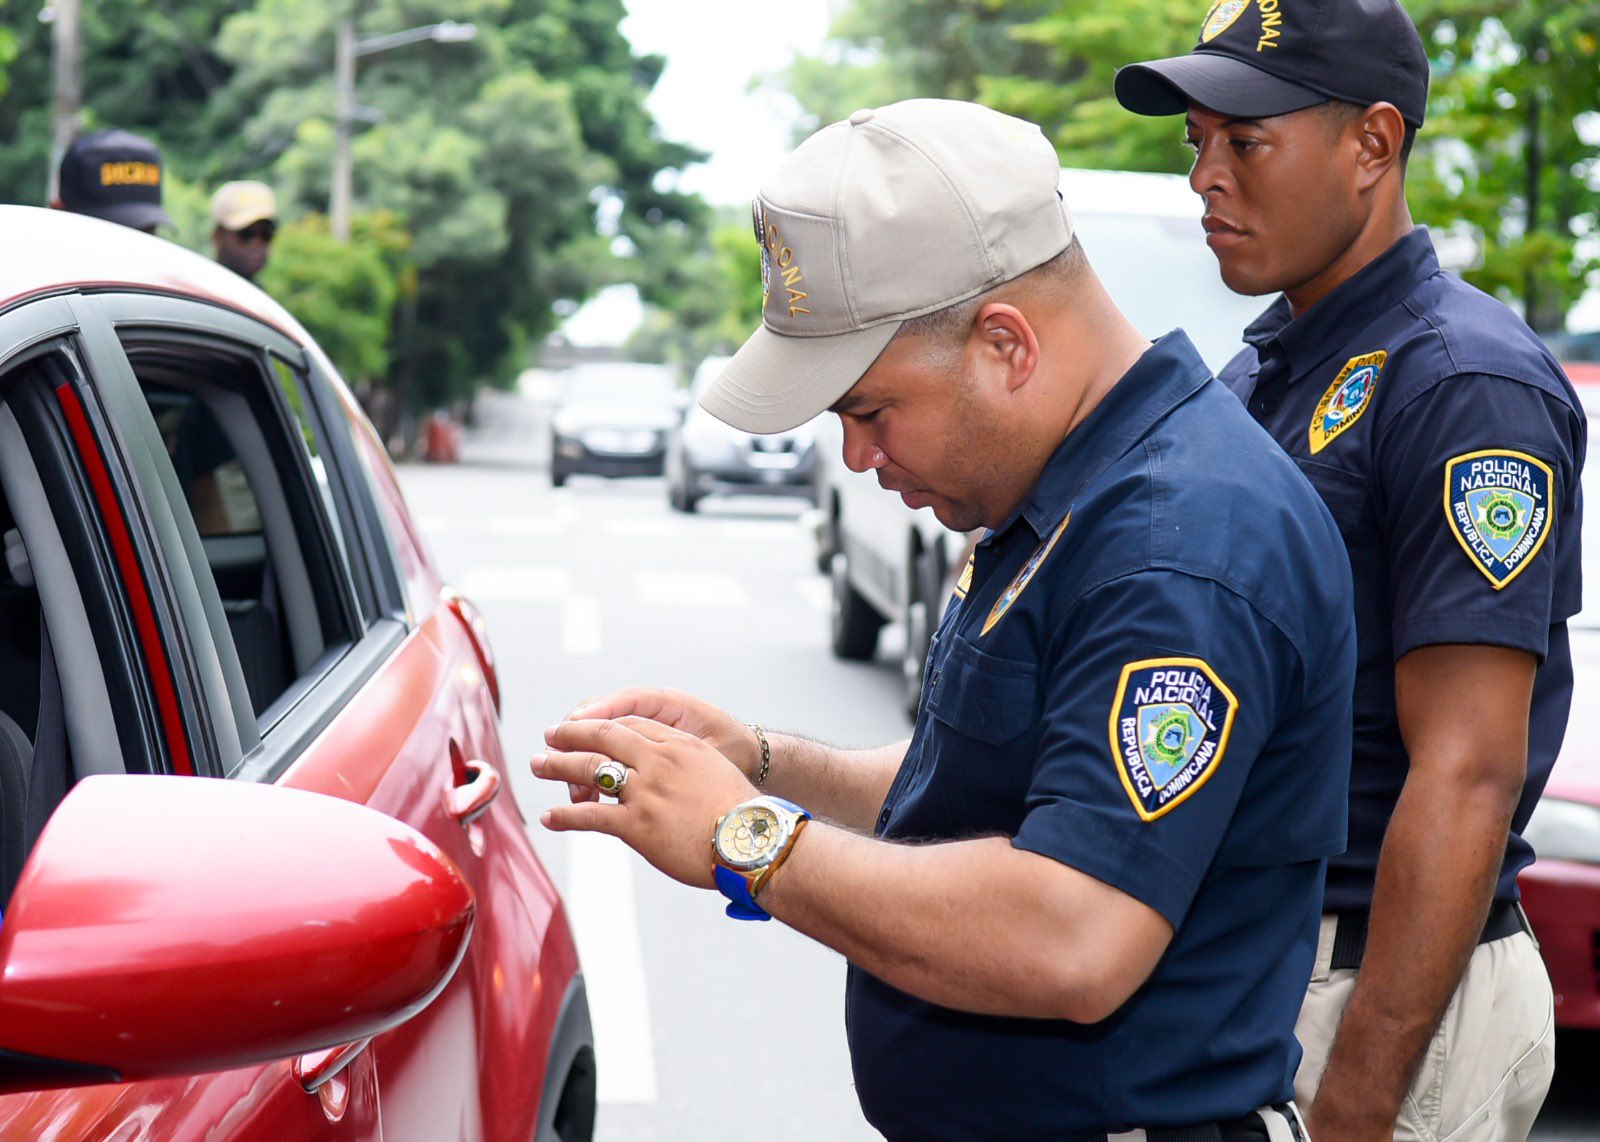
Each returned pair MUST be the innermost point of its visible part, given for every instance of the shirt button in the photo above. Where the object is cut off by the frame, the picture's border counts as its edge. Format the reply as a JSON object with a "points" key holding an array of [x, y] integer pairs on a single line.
{"points": [[1266, 407]]}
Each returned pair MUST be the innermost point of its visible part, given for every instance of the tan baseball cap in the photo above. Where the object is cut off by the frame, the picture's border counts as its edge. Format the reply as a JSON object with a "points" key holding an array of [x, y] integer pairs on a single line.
{"points": [[236, 205], [891, 214]]}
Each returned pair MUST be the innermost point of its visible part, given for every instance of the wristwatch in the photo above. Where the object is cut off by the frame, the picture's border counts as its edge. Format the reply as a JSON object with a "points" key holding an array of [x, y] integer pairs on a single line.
{"points": [[749, 844]]}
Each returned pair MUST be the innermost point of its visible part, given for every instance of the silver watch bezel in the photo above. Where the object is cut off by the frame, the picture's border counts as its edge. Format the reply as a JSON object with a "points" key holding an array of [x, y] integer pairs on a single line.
{"points": [[787, 819]]}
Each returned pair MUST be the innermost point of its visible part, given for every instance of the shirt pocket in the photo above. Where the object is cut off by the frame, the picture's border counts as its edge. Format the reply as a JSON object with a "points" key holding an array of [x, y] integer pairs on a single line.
{"points": [[982, 696], [1345, 494]]}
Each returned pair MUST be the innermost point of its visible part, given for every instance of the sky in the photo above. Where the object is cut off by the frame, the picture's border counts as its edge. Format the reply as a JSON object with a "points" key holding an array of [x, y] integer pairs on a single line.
{"points": [[713, 49]]}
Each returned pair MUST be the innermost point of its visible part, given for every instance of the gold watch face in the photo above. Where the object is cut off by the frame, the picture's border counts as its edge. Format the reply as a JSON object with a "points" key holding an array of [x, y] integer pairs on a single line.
{"points": [[750, 836]]}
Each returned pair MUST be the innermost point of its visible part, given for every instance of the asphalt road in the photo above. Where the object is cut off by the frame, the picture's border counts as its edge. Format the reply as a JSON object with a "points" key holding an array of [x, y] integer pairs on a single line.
{"points": [[597, 586]]}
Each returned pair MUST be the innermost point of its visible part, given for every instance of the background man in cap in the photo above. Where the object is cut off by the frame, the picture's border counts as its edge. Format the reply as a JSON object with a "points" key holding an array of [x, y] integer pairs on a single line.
{"points": [[115, 175], [1448, 445], [244, 218], [1111, 820]]}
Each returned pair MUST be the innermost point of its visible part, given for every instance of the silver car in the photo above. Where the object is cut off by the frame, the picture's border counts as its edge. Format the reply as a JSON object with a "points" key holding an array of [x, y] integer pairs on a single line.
{"points": [[706, 457]]}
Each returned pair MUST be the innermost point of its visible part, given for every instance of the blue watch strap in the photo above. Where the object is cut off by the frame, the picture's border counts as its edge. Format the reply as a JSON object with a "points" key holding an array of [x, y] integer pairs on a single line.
{"points": [[741, 905]]}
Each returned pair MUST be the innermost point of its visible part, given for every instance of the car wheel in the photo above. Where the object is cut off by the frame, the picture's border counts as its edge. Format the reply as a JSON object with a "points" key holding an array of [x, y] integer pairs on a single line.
{"points": [[681, 494], [558, 478], [922, 616], [855, 624], [828, 539]]}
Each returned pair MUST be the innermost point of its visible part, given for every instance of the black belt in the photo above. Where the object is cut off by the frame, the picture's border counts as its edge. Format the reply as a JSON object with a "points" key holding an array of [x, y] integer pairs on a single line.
{"points": [[1250, 1128], [1350, 936]]}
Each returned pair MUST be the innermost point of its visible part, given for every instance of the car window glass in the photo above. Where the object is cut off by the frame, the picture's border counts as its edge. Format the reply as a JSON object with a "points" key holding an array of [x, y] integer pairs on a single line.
{"points": [[248, 459]]}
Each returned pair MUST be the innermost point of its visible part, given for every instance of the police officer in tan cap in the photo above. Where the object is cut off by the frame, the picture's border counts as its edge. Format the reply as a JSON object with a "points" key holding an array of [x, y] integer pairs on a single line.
{"points": [[1082, 900], [244, 218]]}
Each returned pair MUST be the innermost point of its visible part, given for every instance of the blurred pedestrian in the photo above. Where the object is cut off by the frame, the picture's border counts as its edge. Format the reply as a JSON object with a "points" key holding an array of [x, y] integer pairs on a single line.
{"points": [[1083, 898], [244, 218], [1448, 445], [115, 175]]}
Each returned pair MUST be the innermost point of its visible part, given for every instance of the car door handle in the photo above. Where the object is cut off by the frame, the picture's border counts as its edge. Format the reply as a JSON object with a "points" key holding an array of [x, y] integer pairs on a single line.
{"points": [[471, 799], [315, 1068]]}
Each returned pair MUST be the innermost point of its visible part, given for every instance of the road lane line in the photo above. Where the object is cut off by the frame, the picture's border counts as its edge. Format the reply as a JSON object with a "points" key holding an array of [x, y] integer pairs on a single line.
{"points": [[605, 926], [689, 589], [581, 630]]}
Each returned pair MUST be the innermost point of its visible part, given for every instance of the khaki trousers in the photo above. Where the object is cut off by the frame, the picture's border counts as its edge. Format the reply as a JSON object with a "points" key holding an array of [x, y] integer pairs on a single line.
{"points": [[1488, 1067]]}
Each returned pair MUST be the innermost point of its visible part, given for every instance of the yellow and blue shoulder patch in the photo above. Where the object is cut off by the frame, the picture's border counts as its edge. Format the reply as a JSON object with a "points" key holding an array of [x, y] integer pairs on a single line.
{"points": [[1499, 504], [1170, 723], [1346, 399], [1020, 584]]}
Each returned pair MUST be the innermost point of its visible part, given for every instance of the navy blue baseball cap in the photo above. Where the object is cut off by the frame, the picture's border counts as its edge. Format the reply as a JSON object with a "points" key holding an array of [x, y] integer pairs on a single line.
{"points": [[1259, 58], [115, 175]]}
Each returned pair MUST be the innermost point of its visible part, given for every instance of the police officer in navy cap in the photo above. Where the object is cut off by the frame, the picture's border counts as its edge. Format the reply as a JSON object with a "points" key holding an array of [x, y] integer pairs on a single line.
{"points": [[1448, 445], [115, 175], [1083, 899]]}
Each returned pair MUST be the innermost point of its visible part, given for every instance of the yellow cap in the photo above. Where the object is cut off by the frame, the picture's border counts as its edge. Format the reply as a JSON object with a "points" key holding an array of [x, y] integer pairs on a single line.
{"points": [[236, 205]]}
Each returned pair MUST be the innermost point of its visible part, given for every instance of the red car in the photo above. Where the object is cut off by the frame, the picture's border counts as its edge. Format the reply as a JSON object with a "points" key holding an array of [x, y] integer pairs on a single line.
{"points": [[265, 877], [1561, 890]]}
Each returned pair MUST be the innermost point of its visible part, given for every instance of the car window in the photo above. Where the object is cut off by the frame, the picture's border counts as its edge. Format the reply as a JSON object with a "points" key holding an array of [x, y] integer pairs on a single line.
{"points": [[252, 469]]}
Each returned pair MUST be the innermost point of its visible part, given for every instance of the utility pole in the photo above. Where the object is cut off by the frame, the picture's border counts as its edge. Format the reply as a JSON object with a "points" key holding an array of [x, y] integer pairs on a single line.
{"points": [[67, 62], [344, 69]]}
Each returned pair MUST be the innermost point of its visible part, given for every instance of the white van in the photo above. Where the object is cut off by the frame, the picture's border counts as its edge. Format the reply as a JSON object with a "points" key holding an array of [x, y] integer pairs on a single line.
{"points": [[890, 564]]}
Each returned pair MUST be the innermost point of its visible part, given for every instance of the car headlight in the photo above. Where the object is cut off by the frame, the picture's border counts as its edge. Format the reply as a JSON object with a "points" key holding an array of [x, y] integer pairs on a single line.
{"points": [[1564, 830]]}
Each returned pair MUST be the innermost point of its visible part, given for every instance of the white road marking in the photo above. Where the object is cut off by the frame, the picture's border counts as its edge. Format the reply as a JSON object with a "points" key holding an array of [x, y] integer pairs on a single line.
{"points": [[605, 926], [668, 528], [582, 633], [528, 525], [526, 584], [689, 589], [817, 592]]}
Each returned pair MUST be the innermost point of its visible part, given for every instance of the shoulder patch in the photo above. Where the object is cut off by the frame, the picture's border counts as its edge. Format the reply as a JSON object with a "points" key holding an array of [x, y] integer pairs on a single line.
{"points": [[1346, 399], [1024, 577], [1499, 504], [1170, 723]]}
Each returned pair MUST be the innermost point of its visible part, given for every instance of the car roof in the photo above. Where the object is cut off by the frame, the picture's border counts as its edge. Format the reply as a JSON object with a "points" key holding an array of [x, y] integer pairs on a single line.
{"points": [[50, 251]]}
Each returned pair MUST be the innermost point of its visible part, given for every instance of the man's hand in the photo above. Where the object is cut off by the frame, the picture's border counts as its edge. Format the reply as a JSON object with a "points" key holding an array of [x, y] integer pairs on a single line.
{"points": [[678, 785], [725, 733]]}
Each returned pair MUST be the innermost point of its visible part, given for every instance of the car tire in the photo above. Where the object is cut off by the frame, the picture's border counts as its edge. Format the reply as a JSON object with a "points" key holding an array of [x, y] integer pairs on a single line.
{"points": [[681, 494], [921, 618], [854, 624], [828, 538], [558, 478]]}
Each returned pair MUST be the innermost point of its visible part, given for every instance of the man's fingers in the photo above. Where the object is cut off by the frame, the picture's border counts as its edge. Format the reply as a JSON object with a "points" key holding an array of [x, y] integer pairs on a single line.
{"points": [[576, 769], [611, 738], [645, 702], [579, 793], [589, 817]]}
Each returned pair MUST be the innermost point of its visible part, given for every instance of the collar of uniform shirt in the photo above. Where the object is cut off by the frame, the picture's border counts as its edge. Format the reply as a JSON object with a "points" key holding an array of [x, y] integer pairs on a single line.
{"points": [[1310, 339], [1168, 373]]}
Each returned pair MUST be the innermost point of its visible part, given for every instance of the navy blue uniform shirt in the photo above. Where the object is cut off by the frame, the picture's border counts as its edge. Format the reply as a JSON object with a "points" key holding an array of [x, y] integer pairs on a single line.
{"points": [[1448, 444], [1145, 675]]}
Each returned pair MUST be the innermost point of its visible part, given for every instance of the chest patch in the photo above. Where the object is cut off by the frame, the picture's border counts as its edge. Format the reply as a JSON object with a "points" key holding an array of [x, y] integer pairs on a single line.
{"points": [[1346, 399], [1024, 577], [1499, 504], [964, 584], [1170, 723]]}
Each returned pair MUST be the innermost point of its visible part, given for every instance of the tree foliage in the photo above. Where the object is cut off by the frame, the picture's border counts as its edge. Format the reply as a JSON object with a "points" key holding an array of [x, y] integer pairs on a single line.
{"points": [[494, 158], [1515, 86]]}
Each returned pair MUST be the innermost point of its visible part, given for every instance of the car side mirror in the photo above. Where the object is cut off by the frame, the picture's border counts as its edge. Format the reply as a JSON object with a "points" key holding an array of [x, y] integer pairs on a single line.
{"points": [[174, 925]]}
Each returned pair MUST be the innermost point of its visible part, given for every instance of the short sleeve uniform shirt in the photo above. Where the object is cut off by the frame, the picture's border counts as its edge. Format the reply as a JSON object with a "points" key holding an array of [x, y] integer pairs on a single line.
{"points": [[1448, 445], [1145, 674]]}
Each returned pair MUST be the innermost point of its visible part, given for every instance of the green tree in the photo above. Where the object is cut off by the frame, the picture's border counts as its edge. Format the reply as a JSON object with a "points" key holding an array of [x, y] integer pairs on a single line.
{"points": [[714, 299], [344, 293], [495, 156]]}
